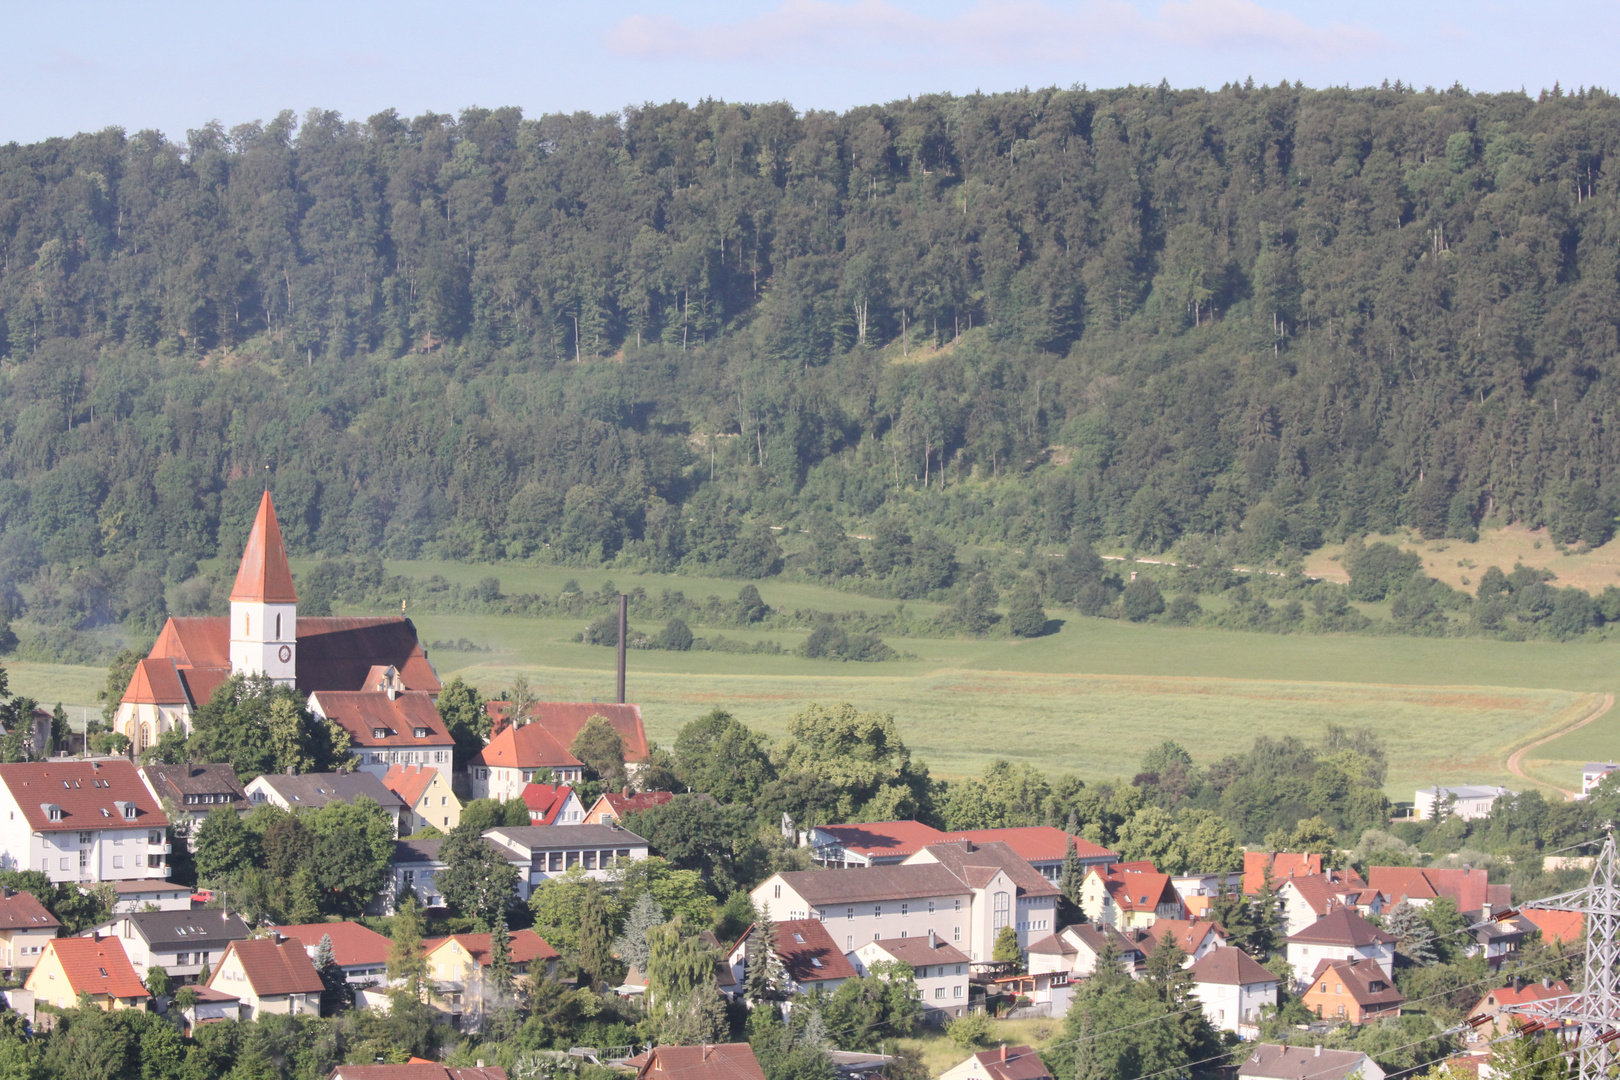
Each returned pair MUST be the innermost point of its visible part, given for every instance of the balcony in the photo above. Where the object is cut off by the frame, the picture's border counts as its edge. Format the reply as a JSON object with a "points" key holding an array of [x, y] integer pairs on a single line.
{"points": [[159, 871], [159, 849]]}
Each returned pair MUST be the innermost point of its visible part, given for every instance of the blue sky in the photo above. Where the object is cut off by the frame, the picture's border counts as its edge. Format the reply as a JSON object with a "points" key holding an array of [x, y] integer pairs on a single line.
{"points": [[79, 65]]}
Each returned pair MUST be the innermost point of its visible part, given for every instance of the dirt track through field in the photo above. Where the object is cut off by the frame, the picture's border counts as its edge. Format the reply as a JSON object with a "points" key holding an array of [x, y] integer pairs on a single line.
{"points": [[1515, 761]]}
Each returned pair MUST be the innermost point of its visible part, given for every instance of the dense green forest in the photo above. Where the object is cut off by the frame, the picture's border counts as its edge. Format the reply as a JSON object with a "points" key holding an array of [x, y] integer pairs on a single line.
{"points": [[1247, 321]]}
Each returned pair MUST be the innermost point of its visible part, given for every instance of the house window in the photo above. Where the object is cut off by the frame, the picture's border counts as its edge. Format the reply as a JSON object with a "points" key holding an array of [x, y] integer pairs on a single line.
{"points": [[903, 908], [570, 858], [778, 892], [278, 627], [956, 991], [877, 911], [84, 838], [154, 838], [959, 905], [1000, 912], [129, 812], [118, 861], [84, 859], [939, 992], [956, 935], [849, 941], [554, 861], [930, 907], [849, 913], [589, 860], [62, 864]]}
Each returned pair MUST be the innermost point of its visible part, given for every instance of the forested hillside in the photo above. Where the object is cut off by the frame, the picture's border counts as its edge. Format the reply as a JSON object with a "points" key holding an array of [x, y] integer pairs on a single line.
{"points": [[1258, 318]]}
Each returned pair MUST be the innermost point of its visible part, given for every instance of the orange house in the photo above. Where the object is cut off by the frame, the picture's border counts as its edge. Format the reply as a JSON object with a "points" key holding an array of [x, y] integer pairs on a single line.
{"points": [[1352, 991]]}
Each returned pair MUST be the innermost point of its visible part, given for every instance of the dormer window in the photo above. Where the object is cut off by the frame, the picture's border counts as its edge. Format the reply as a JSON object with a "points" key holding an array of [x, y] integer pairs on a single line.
{"points": [[421, 733], [55, 813], [379, 733]]}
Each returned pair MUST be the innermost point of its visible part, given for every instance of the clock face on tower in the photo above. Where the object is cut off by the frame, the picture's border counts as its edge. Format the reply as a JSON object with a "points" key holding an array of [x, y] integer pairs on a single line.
{"points": [[285, 653]]}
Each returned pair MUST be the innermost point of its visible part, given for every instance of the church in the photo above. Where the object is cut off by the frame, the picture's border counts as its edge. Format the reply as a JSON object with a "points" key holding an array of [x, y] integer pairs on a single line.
{"points": [[368, 675]]}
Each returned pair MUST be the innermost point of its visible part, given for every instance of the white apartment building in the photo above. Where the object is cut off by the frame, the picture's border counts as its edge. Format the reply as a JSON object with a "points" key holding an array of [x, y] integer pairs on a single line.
{"points": [[1470, 802], [81, 821], [963, 892], [552, 850], [1233, 988], [940, 969]]}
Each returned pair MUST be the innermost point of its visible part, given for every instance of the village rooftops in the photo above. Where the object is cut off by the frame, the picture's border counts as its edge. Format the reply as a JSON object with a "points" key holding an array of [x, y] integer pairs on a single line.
{"points": [[1470, 889], [96, 965], [315, 790], [710, 1061], [70, 796], [353, 945], [375, 718], [564, 720], [1283, 865], [807, 951], [892, 841], [274, 967], [1007, 1063], [550, 837], [417, 1069], [197, 788], [21, 911], [1269, 1061], [976, 863], [199, 928], [1344, 927], [1363, 980], [1231, 966], [920, 952], [819, 887], [526, 947]]}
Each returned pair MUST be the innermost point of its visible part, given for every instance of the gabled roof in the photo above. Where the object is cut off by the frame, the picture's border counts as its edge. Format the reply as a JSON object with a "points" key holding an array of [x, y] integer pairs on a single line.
{"points": [[364, 713], [1469, 889], [203, 928], [1341, 926], [86, 795], [1037, 843], [545, 802], [1230, 966], [353, 945], [409, 782], [1320, 894], [1563, 926], [1190, 934], [1095, 939], [264, 575], [807, 951], [526, 946], [1012, 1063], [556, 837], [1274, 1062], [1135, 891], [876, 884], [622, 803], [977, 863], [318, 789], [564, 720], [1284, 865], [1511, 995], [711, 1061], [155, 682], [97, 966], [918, 952], [884, 839], [178, 781], [416, 1070], [273, 967], [526, 747], [21, 911], [1363, 979]]}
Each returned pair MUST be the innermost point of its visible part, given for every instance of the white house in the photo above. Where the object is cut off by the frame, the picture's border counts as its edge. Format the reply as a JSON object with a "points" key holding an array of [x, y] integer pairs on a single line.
{"points": [[1340, 935], [311, 791], [179, 942], [548, 851], [940, 969], [1467, 801], [1592, 774], [1307, 898], [387, 724], [1271, 1062], [1075, 950], [1233, 988], [269, 976], [81, 821], [414, 865]]}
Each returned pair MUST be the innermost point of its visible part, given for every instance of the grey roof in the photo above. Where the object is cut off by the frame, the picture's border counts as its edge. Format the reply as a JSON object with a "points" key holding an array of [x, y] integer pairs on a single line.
{"points": [[418, 852], [1470, 791], [200, 928], [976, 862], [318, 789], [141, 888], [177, 781], [1300, 1063], [863, 886], [1599, 766], [550, 837]]}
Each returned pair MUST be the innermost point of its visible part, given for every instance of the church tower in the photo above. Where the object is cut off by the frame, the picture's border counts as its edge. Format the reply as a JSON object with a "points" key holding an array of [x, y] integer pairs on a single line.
{"points": [[264, 607]]}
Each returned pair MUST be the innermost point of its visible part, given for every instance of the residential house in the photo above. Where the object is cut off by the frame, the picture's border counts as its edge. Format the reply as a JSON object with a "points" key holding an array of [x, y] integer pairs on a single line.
{"points": [[1075, 950], [414, 866], [263, 635], [1199, 892], [710, 1061], [1470, 889], [1340, 935], [1354, 991], [210, 1005], [387, 724], [96, 966], [1496, 939], [940, 969], [314, 790], [417, 1069], [1269, 1061], [425, 791], [537, 749], [1471, 802], [1498, 1005], [1130, 896], [1592, 774], [458, 965], [551, 850], [182, 943], [888, 842], [810, 959], [270, 976], [1233, 989], [189, 793], [1007, 890], [611, 806], [148, 895], [554, 804], [1197, 938], [25, 928], [1556, 927], [358, 950], [1003, 1063], [1308, 897], [1281, 865], [82, 821]]}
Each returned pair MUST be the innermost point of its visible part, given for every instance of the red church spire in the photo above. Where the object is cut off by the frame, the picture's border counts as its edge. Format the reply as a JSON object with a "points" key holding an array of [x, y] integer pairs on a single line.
{"points": [[265, 576]]}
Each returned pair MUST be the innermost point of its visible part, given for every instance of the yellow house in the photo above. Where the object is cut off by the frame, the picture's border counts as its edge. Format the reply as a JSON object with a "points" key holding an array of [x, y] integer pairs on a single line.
{"points": [[426, 791], [270, 975], [96, 966], [456, 966]]}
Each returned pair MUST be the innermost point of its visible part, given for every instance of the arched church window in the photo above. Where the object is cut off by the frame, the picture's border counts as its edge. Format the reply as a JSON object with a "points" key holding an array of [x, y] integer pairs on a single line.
{"points": [[146, 736], [247, 625], [278, 627]]}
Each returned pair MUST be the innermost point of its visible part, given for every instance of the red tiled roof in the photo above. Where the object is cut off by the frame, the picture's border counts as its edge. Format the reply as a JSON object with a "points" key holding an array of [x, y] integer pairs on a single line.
{"points": [[1012, 1063], [264, 575], [97, 965], [1230, 966], [1135, 891], [711, 1061], [1036, 843], [808, 952], [917, 952], [1189, 933], [274, 968], [1469, 889], [884, 839], [155, 682], [526, 946], [353, 945], [977, 863], [1341, 926], [1563, 926], [622, 804], [416, 1069], [86, 793], [363, 712], [1284, 865], [565, 719], [1359, 977], [545, 802], [1509, 996], [21, 911], [409, 781], [526, 747]]}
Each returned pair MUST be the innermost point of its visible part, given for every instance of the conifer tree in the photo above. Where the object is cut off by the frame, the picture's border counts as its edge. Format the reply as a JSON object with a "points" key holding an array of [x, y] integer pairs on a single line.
{"points": [[1072, 883], [1414, 937], [762, 977], [631, 945], [500, 956], [406, 963]]}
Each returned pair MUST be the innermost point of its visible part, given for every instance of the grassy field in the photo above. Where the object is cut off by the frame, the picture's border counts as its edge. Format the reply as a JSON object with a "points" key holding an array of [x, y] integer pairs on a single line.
{"points": [[1089, 698]]}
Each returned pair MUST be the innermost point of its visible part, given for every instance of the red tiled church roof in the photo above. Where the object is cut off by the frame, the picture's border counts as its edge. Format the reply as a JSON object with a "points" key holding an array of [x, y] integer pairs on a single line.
{"points": [[264, 575]]}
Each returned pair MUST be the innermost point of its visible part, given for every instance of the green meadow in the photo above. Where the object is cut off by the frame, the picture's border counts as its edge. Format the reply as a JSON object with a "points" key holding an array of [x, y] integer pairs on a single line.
{"points": [[1089, 698]]}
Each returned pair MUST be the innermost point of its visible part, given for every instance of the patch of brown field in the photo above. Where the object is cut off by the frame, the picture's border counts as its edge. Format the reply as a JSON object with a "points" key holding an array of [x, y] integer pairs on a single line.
{"points": [[1460, 564], [1319, 694]]}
